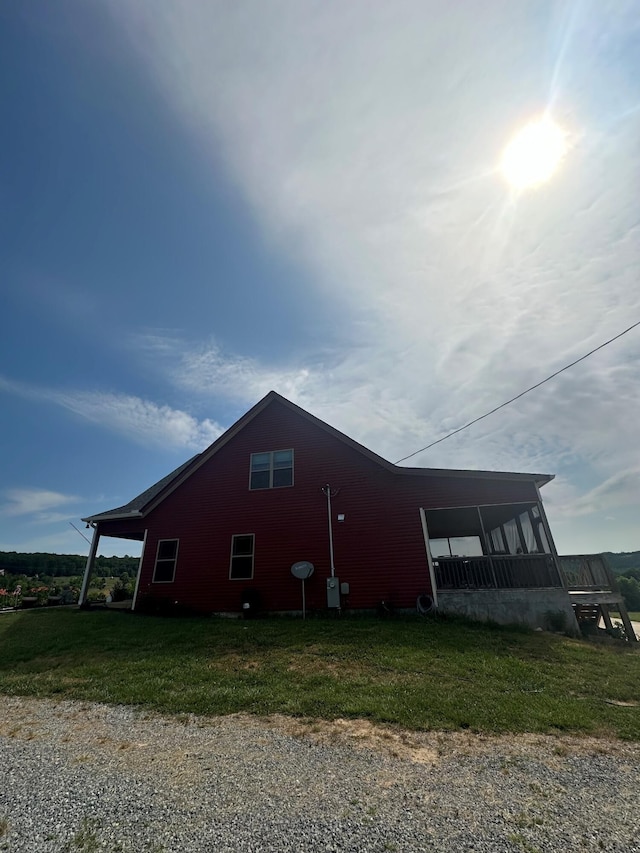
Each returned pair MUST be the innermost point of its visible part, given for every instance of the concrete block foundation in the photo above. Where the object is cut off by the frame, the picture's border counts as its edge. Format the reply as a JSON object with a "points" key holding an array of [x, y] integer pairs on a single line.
{"points": [[549, 609]]}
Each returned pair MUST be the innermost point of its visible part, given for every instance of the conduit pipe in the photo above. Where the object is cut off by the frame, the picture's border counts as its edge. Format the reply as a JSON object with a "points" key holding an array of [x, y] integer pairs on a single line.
{"points": [[327, 491]]}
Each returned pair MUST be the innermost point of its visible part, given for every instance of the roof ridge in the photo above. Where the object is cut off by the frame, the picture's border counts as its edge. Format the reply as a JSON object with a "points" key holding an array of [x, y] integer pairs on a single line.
{"points": [[151, 497]]}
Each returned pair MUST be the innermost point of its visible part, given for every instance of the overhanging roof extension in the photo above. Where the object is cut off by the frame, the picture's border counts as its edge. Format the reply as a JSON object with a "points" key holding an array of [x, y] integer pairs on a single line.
{"points": [[135, 507]]}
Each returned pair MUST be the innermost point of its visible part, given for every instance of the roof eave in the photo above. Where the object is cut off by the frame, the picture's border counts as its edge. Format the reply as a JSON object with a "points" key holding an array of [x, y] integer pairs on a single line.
{"points": [[105, 516], [539, 479]]}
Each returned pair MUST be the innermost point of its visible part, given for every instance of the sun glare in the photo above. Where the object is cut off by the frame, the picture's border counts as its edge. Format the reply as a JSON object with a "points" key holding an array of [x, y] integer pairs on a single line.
{"points": [[534, 154]]}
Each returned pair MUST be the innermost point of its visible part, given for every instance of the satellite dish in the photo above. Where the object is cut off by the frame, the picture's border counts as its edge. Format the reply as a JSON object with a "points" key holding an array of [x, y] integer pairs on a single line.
{"points": [[302, 570]]}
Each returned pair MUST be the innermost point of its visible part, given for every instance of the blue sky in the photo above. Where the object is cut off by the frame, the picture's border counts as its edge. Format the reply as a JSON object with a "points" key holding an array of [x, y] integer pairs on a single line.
{"points": [[203, 201]]}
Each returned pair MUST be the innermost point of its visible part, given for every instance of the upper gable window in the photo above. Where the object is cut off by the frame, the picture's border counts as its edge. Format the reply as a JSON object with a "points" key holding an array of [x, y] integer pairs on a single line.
{"points": [[271, 470]]}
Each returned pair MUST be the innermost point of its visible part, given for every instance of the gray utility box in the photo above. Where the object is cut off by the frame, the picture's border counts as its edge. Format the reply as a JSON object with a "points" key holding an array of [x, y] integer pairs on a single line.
{"points": [[333, 592]]}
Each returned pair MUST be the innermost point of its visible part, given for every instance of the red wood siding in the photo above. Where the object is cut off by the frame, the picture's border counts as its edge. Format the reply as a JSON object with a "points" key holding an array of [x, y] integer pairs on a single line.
{"points": [[379, 548]]}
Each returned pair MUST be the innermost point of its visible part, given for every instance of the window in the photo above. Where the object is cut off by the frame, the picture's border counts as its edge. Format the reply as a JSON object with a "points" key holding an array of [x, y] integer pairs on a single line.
{"points": [[166, 558], [456, 546], [242, 548], [271, 470]]}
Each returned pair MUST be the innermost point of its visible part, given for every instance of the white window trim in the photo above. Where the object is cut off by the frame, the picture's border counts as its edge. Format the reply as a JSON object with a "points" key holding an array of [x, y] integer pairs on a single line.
{"points": [[271, 469], [253, 555], [175, 560]]}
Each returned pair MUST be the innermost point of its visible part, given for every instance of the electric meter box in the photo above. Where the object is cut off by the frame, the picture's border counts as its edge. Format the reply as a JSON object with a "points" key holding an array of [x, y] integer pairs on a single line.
{"points": [[333, 592]]}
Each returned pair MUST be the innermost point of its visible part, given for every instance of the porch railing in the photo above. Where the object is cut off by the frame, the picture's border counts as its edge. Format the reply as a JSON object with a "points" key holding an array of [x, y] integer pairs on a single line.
{"points": [[522, 571], [586, 572]]}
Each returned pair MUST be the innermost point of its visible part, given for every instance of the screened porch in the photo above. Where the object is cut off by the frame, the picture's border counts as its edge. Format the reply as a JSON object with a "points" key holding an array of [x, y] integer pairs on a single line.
{"points": [[504, 546]]}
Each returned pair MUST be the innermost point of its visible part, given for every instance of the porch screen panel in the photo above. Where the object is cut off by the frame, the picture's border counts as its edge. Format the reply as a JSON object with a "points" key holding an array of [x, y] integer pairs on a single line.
{"points": [[543, 539], [439, 548], [497, 542], [466, 546], [539, 529], [527, 532], [513, 537]]}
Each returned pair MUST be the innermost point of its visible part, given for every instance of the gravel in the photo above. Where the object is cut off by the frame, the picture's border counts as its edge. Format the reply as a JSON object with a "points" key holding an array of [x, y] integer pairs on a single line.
{"points": [[85, 777]]}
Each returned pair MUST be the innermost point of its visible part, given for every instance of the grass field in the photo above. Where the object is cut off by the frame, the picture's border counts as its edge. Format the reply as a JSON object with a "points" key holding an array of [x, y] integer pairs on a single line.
{"points": [[420, 674], [633, 615]]}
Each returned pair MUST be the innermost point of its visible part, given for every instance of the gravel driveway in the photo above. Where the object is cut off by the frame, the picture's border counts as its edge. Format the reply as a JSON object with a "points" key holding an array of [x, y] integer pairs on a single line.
{"points": [[84, 777]]}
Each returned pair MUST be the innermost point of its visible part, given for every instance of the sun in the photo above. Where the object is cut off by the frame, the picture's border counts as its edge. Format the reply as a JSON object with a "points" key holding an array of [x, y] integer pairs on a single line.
{"points": [[534, 154]]}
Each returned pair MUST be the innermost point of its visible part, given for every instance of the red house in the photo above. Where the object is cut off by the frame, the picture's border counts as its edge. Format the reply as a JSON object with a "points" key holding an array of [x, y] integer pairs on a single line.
{"points": [[282, 487]]}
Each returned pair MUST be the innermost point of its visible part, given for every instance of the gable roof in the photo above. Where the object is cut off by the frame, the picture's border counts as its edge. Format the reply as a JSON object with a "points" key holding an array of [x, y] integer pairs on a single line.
{"points": [[137, 504], [151, 497]]}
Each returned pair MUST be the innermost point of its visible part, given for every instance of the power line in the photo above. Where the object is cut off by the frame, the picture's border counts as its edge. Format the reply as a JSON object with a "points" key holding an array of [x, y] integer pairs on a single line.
{"points": [[80, 532], [521, 394]]}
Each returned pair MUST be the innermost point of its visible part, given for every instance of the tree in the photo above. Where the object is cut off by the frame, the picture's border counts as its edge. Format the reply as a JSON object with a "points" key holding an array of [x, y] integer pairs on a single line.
{"points": [[630, 589]]}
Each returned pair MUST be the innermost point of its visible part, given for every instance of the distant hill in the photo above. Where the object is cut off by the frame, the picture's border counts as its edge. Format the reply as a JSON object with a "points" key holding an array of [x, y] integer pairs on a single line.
{"points": [[623, 561], [58, 565]]}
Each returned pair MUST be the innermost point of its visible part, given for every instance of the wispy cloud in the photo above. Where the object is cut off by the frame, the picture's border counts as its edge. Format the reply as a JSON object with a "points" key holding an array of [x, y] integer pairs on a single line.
{"points": [[141, 420], [36, 503], [365, 137], [622, 489], [554, 426], [342, 392], [208, 371]]}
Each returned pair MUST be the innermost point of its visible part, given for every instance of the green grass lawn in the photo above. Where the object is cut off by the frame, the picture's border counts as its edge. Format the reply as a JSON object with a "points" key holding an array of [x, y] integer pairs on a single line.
{"points": [[420, 674], [633, 615]]}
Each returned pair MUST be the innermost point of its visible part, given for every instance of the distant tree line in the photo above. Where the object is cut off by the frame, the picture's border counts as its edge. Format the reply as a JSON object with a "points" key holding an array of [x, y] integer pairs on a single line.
{"points": [[623, 561], [627, 568], [630, 589], [64, 565]]}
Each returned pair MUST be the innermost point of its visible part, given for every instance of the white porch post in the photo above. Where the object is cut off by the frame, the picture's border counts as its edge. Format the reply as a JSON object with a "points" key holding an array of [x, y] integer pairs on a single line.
{"points": [[432, 573], [89, 567], [135, 592]]}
